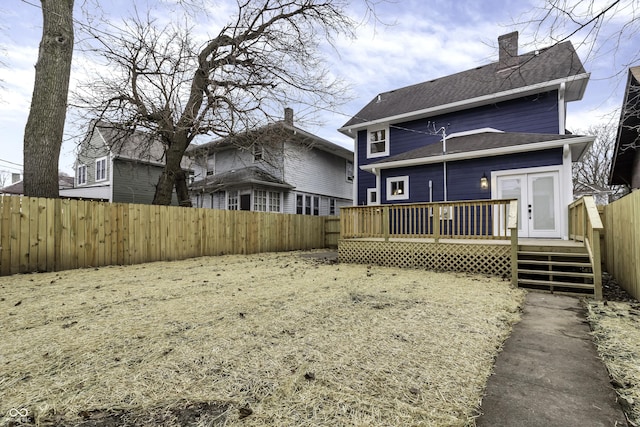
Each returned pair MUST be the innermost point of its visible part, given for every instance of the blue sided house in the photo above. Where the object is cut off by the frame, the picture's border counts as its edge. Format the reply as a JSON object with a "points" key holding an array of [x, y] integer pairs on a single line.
{"points": [[493, 132]]}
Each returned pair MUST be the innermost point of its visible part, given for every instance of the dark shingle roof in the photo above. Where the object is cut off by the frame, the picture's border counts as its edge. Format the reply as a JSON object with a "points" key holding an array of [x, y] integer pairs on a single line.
{"points": [[239, 177], [557, 62], [477, 142]]}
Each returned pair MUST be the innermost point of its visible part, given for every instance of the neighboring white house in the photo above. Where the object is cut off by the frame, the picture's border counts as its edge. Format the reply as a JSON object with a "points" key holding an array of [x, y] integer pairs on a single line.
{"points": [[276, 168], [114, 165]]}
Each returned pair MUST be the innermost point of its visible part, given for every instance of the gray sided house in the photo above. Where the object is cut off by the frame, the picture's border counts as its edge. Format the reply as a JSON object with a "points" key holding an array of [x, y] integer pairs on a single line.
{"points": [[493, 132], [625, 167], [117, 166], [275, 168]]}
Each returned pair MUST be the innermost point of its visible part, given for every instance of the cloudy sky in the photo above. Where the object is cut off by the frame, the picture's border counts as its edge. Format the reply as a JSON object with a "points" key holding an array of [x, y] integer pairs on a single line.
{"points": [[415, 41]]}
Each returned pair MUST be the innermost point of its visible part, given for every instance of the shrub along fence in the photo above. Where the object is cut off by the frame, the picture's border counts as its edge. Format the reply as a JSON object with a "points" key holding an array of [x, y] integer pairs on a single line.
{"points": [[39, 234], [622, 242]]}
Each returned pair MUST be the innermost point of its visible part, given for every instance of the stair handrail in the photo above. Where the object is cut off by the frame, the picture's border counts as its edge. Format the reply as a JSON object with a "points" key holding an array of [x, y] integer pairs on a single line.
{"points": [[585, 225], [512, 226]]}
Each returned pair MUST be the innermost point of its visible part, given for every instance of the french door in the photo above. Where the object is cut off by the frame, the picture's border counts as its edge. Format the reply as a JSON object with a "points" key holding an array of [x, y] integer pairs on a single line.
{"points": [[538, 200]]}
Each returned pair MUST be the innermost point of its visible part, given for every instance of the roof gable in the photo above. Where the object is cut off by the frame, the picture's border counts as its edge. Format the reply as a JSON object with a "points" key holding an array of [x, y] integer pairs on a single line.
{"points": [[628, 134], [559, 62]]}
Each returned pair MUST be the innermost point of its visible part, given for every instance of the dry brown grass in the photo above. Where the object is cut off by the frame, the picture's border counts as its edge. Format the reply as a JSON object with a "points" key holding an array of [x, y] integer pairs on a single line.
{"points": [[270, 339], [616, 331]]}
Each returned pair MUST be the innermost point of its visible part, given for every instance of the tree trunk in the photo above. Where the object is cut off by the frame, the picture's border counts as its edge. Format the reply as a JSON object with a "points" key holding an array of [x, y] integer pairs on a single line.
{"points": [[45, 125], [172, 175]]}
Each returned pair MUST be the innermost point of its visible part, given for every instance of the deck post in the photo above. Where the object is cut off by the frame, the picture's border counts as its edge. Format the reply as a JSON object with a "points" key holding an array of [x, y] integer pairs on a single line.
{"points": [[436, 223], [385, 223], [597, 266], [512, 225]]}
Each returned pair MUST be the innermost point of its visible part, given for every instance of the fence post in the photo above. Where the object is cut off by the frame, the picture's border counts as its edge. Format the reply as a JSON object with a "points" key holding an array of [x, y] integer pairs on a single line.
{"points": [[512, 225]]}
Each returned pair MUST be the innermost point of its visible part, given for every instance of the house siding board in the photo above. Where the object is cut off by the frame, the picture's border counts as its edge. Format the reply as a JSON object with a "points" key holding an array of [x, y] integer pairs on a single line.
{"points": [[135, 182], [463, 177], [314, 171], [532, 114]]}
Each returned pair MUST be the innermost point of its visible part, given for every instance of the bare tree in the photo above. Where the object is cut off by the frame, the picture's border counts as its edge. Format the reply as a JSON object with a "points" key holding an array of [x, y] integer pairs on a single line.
{"points": [[592, 171], [163, 80], [45, 125]]}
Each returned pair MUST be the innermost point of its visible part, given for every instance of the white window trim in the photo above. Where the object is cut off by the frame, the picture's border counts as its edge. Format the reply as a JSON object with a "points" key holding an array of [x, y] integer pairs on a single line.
{"points": [[82, 166], [405, 194], [384, 153], [106, 176], [372, 191]]}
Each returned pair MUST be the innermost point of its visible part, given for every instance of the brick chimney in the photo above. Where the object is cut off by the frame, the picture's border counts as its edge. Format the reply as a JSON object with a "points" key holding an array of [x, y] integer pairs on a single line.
{"points": [[288, 116], [507, 50]]}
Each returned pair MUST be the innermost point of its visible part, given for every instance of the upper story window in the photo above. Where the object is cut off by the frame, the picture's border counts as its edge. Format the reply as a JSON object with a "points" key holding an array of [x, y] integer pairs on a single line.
{"points": [[101, 169], [398, 188], [378, 143], [81, 175], [258, 152], [349, 171]]}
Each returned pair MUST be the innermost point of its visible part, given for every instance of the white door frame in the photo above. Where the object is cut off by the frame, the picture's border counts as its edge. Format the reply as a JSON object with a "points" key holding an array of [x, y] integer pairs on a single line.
{"points": [[560, 198]]}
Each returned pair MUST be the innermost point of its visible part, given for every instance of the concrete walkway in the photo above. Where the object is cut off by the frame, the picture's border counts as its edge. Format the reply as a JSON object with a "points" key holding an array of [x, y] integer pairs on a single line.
{"points": [[549, 373]]}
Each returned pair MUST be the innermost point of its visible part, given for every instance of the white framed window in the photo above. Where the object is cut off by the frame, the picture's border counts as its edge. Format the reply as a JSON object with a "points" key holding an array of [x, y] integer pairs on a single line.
{"points": [[398, 188], [299, 204], [260, 200], [81, 175], [332, 206], [372, 196], [258, 152], [316, 205], [378, 143], [232, 200], [101, 169], [274, 201], [349, 171], [307, 205]]}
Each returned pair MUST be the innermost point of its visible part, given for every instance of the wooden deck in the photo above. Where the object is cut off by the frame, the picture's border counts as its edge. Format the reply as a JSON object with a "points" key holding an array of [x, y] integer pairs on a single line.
{"points": [[476, 237]]}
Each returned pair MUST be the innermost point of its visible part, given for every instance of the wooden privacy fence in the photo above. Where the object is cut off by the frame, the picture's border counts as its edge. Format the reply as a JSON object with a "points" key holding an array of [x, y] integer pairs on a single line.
{"points": [[477, 219], [622, 241], [39, 234]]}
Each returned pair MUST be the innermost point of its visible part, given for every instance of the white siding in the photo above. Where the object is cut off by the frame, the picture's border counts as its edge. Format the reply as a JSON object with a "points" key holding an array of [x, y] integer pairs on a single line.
{"points": [[316, 172]]}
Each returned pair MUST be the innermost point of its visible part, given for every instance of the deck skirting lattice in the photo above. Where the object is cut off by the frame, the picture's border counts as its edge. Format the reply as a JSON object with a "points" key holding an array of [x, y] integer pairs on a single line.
{"points": [[494, 260]]}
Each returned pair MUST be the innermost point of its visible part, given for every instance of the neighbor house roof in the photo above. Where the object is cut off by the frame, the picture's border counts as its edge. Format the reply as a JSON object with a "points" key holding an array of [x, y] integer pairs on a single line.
{"points": [[64, 182], [136, 145], [310, 140], [238, 177], [534, 71], [482, 144], [628, 136]]}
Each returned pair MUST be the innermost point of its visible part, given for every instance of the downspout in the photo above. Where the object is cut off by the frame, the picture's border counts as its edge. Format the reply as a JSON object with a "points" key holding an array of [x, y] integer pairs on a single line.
{"points": [[562, 109]]}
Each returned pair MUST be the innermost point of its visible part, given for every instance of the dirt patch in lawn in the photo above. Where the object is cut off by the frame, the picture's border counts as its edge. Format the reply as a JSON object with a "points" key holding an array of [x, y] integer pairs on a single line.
{"points": [[269, 339]]}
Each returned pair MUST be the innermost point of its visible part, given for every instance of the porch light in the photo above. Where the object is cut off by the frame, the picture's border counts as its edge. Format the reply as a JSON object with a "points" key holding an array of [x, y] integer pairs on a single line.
{"points": [[484, 182]]}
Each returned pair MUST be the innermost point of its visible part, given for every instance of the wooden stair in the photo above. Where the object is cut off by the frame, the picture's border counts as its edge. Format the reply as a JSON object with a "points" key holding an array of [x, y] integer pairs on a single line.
{"points": [[559, 268]]}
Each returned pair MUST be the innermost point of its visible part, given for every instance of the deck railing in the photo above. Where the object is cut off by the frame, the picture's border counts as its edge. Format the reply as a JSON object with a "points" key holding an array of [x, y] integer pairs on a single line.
{"points": [[477, 219], [585, 226]]}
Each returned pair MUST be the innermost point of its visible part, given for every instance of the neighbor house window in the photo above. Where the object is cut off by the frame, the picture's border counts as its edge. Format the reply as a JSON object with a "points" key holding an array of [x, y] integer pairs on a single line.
{"points": [[398, 188], [81, 175], [260, 200], [316, 205], [232, 200], [378, 143], [101, 169], [307, 205], [258, 152], [332, 206], [372, 196], [274, 201], [349, 170], [299, 204]]}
